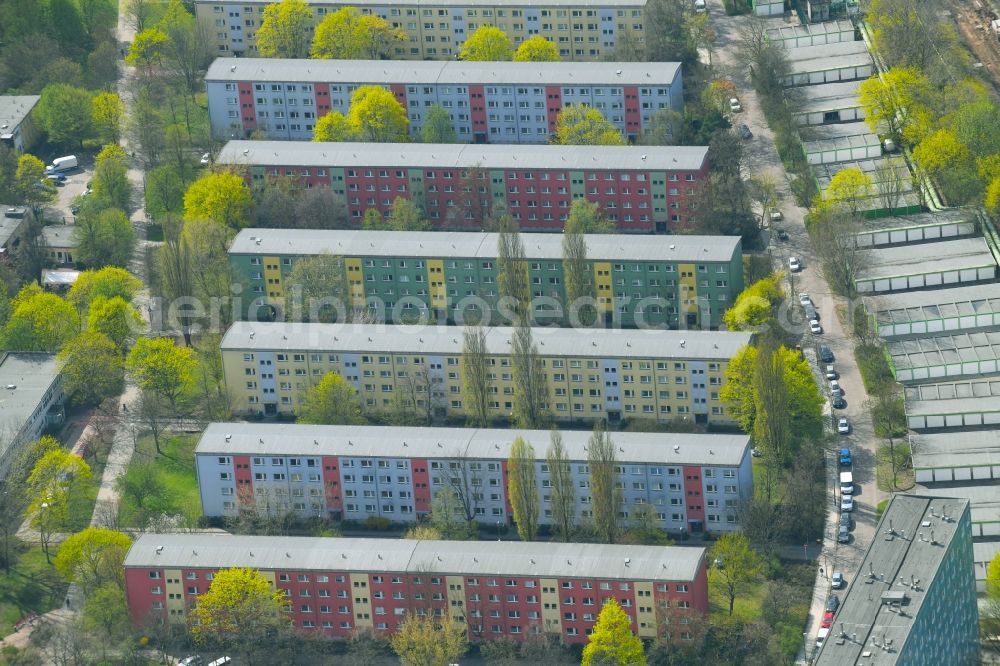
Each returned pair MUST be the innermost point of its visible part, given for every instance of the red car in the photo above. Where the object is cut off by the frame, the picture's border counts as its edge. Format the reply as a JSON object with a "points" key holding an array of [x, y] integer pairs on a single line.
{"points": [[827, 620]]}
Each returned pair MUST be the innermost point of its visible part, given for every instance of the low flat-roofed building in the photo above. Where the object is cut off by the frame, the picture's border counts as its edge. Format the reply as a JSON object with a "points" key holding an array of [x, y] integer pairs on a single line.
{"points": [[957, 456], [950, 262], [829, 144], [984, 552], [31, 397], [941, 356], [913, 599], [13, 223], [917, 228], [984, 501], [376, 582], [60, 243], [828, 32], [963, 404], [693, 482], [17, 129], [828, 63], [933, 311], [826, 103]]}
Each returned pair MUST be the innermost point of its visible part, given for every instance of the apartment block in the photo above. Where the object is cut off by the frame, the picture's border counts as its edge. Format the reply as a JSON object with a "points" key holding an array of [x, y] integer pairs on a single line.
{"points": [[31, 401], [589, 373], [642, 189], [913, 599], [645, 281], [489, 102], [506, 589], [692, 482], [581, 30]]}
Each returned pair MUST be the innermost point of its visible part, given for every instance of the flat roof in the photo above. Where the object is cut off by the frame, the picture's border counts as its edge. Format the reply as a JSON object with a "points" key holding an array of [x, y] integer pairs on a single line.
{"points": [[822, 57], [916, 220], [445, 3], [447, 340], [802, 30], [983, 497], [913, 306], [983, 553], [503, 558], [888, 565], [478, 443], [835, 131], [938, 350], [979, 395], [822, 96], [459, 244], [14, 109], [59, 235], [444, 72], [31, 375], [924, 258], [841, 143], [959, 448], [8, 225], [462, 156]]}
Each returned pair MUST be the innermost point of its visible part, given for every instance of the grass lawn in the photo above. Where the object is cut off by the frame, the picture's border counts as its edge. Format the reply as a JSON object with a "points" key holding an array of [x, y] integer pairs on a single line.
{"points": [[32, 586], [904, 468], [169, 478], [746, 608]]}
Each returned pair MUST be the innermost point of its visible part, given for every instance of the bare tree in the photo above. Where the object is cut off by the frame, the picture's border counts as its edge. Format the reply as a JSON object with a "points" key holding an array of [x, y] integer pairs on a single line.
{"points": [[834, 239], [476, 375], [606, 497], [531, 389], [563, 492], [578, 275], [512, 271], [771, 424], [465, 480], [138, 13], [889, 184]]}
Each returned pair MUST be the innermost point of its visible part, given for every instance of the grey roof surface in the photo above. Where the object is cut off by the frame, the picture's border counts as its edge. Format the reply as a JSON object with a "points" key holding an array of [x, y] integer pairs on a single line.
{"points": [[33, 375], [961, 448], [984, 497], [590, 342], [804, 30], [443, 72], [911, 306], [14, 109], [8, 225], [917, 219], [840, 143], [862, 611], [60, 235], [823, 96], [938, 350], [462, 156], [444, 3], [983, 553], [923, 258], [835, 131], [544, 560], [459, 244], [979, 395], [827, 56], [485, 443]]}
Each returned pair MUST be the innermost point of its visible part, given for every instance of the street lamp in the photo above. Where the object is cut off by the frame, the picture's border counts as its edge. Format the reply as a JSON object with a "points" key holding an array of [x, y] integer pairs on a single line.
{"points": [[499, 523]]}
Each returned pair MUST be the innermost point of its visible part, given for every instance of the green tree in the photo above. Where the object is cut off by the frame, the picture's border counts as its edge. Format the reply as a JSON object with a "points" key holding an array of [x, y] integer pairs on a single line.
{"points": [[668, 33], [475, 375], [54, 485], [771, 419], [316, 289], [438, 126], [92, 368], [347, 34], [107, 114], [448, 516], [737, 566], [847, 190], [333, 127], [586, 217], [108, 282], [425, 640], [578, 125], [284, 30], [104, 239], [606, 496], [147, 49], [563, 490], [93, 558], [406, 216], [531, 390], [522, 488], [644, 528], [332, 401], [894, 100], [581, 293], [105, 617], [66, 22], [30, 183], [423, 533], [39, 321], [159, 366], [164, 191], [111, 184], [222, 197], [376, 116], [64, 113], [512, 273], [755, 306], [373, 220], [612, 643], [487, 43], [114, 318], [536, 49], [241, 612]]}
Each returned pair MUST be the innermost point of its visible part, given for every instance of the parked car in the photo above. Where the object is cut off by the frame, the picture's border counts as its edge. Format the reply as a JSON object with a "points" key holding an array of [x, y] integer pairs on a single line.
{"points": [[845, 457], [839, 403], [847, 504], [804, 298], [825, 354], [814, 327], [776, 216], [782, 235], [833, 603], [827, 620], [206, 159], [193, 660], [794, 265], [831, 373], [745, 132], [845, 519], [821, 637], [835, 389], [57, 178], [734, 105], [843, 426], [811, 312], [837, 581], [843, 535]]}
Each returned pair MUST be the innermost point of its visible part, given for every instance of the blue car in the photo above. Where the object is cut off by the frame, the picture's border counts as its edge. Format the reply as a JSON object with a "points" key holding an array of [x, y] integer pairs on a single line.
{"points": [[845, 457]]}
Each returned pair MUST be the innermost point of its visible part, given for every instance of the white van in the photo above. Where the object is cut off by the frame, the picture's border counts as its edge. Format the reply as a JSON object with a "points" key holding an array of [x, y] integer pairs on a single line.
{"points": [[221, 661], [846, 483], [62, 164], [821, 636], [699, 6]]}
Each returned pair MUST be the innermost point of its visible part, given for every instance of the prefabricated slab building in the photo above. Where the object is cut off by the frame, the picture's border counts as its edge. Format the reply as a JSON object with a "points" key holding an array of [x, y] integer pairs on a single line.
{"points": [[950, 262]]}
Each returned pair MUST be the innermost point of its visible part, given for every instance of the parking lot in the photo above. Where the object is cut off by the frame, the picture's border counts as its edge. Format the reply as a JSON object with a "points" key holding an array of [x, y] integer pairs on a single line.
{"points": [[75, 185]]}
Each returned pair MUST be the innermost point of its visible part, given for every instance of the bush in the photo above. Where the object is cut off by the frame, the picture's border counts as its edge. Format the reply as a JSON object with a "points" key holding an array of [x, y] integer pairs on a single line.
{"points": [[874, 366], [377, 523]]}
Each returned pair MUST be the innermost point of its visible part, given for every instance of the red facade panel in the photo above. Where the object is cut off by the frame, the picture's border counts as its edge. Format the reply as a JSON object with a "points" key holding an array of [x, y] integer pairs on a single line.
{"points": [[322, 91], [331, 484], [248, 109], [244, 480], [553, 105], [399, 92], [477, 112], [421, 486], [694, 501], [633, 119]]}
